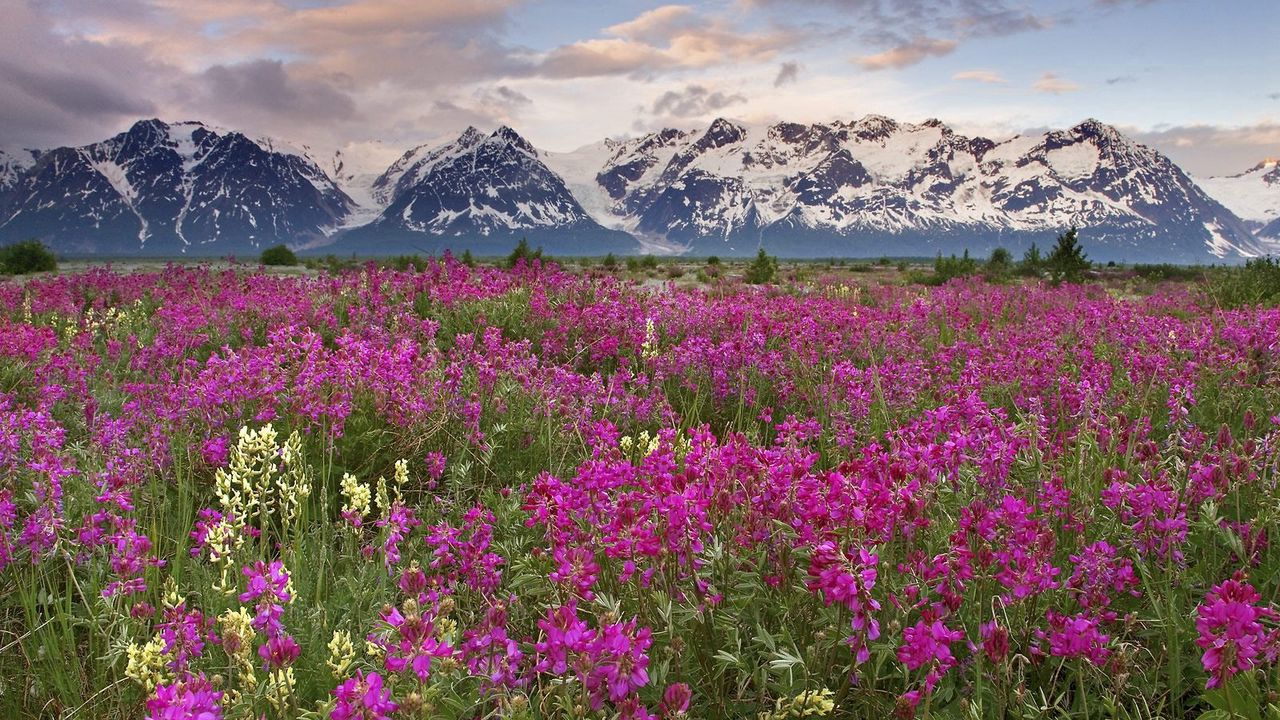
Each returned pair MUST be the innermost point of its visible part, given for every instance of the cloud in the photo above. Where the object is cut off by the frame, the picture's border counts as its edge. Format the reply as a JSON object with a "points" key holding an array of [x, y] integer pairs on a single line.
{"points": [[982, 76], [658, 25], [788, 72], [264, 89], [665, 38], [59, 88], [500, 103], [72, 93], [1121, 79], [1273, 96], [897, 23], [1053, 84], [503, 95], [343, 71], [909, 54], [611, 56], [1213, 149], [693, 101]]}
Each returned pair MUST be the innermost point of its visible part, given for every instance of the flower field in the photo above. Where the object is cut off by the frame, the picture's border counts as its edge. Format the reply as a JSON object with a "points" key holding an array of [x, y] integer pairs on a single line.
{"points": [[484, 493]]}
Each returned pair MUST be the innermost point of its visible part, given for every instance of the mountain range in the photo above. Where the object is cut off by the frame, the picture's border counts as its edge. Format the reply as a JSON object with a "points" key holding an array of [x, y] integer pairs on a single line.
{"points": [[1253, 195], [869, 187]]}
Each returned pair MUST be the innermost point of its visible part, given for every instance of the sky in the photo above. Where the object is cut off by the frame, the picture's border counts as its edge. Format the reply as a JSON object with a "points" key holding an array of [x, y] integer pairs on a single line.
{"points": [[1197, 80]]}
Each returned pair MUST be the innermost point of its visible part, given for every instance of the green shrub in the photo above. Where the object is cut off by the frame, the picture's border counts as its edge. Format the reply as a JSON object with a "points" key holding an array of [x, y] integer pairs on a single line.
{"points": [[949, 268], [405, 263], [762, 270], [609, 262], [1032, 264], [1257, 283], [1166, 271], [713, 260], [999, 265], [523, 252], [26, 257], [278, 255], [1067, 262]]}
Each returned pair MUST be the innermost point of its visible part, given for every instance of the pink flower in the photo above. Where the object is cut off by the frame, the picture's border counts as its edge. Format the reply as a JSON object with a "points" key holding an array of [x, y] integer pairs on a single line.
{"points": [[621, 664], [576, 567], [675, 700], [280, 651], [183, 632], [267, 588], [995, 641], [1230, 631], [1077, 636], [190, 699], [924, 643], [400, 521], [413, 644], [564, 633], [929, 644], [363, 698]]}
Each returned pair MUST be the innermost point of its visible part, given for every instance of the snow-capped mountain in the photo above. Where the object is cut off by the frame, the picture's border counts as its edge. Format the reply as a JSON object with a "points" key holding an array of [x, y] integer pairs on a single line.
{"points": [[168, 189], [880, 186], [1254, 195], [870, 187], [14, 162], [479, 191]]}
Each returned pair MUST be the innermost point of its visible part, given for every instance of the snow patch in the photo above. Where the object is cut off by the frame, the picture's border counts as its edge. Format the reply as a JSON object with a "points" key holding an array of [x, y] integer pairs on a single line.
{"points": [[1074, 162]]}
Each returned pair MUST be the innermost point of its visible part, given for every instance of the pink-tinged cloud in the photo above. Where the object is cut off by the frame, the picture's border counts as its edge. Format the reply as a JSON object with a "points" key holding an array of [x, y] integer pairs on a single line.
{"points": [[1053, 84], [909, 54], [656, 26], [665, 38], [610, 56], [1213, 149], [982, 76]]}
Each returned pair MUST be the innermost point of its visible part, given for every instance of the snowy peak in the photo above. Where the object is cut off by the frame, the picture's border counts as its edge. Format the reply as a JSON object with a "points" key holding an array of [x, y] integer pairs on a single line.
{"points": [[13, 162], [871, 185], [507, 136], [167, 189], [1254, 195], [1269, 168], [477, 184], [881, 177]]}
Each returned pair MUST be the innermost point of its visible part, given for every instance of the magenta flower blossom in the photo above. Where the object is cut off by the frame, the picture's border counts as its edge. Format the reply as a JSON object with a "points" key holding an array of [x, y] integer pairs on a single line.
{"points": [[929, 644], [184, 632], [564, 634], [620, 664], [844, 580], [267, 589], [411, 644], [1230, 629], [576, 568], [363, 698], [675, 700], [490, 653], [279, 651], [400, 521], [1077, 636], [995, 641], [189, 699]]}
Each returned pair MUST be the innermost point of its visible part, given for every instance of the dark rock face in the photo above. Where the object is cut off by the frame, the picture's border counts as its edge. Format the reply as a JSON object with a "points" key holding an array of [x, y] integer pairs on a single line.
{"points": [[161, 189], [878, 178], [872, 186]]}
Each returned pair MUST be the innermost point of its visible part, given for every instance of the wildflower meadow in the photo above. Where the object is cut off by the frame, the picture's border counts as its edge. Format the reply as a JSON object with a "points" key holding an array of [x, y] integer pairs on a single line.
{"points": [[477, 492]]}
